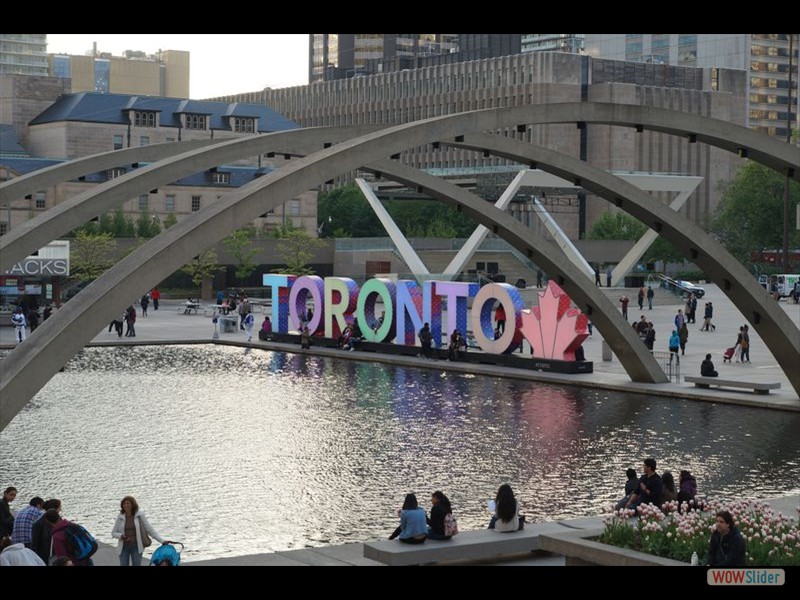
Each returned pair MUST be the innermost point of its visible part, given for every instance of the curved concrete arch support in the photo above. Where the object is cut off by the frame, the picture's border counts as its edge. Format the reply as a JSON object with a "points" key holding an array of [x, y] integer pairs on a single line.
{"points": [[19, 187], [32, 364], [773, 325]]}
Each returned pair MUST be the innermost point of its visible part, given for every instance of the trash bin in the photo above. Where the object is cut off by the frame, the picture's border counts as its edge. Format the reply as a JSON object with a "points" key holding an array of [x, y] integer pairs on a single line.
{"points": [[607, 354], [228, 324]]}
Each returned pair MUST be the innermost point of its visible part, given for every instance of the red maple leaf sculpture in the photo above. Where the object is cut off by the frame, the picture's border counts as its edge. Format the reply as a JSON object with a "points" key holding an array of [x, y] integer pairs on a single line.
{"points": [[553, 329]]}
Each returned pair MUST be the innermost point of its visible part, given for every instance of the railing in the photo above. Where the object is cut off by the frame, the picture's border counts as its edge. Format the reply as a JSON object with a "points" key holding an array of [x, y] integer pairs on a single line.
{"points": [[670, 363]]}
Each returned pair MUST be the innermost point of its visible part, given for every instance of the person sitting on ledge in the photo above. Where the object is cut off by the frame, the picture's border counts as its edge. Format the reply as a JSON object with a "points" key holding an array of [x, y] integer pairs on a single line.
{"points": [[707, 368], [305, 339]]}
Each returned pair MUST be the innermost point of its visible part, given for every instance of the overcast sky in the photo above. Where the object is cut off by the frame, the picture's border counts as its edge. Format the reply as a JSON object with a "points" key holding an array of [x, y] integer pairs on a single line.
{"points": [[220, 63]]}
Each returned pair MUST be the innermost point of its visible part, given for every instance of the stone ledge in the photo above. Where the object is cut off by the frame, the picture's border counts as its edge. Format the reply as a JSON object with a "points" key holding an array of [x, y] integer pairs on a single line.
{"points": [[579, 550]]}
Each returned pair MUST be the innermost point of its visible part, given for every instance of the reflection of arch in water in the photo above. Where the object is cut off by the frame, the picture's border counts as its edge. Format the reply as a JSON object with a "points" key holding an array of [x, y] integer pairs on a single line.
{"points": [[173, 248]]}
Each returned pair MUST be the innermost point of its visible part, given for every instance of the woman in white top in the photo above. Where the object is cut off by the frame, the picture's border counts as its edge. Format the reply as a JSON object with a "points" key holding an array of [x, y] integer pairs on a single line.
{"points": [[128, 530], [506, 513]]}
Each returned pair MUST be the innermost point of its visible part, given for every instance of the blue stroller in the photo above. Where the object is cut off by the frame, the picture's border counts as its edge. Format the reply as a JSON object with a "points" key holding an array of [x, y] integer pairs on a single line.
{"points": [[166, 555]]}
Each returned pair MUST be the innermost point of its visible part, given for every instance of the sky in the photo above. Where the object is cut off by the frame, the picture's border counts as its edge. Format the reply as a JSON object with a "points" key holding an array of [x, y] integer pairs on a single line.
{"points": [[220, 64]]}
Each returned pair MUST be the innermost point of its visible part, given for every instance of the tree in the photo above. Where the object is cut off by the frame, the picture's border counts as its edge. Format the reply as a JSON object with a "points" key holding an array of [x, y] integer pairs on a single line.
{"points": [[123, 225], [350, 212], [90, 255], [170, 220], [749, 217], [296, 248], [622, 226], [202, 270], [617, 226], [239, 244], [147, 226]]}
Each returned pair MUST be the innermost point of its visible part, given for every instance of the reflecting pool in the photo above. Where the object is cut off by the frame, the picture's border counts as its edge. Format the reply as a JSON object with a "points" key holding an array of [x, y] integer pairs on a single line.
{"points": [[237, 452]]}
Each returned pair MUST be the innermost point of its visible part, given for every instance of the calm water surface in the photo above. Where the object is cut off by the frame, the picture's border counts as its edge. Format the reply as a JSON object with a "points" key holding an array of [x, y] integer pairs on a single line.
{"points": [[237, 452]]}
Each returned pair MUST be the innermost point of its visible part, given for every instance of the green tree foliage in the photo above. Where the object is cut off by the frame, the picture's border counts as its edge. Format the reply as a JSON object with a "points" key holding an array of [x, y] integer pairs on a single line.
{"points": [[90, 255], [239, 245], [122, 225], [617, 226], [297, 248], [147, 226], [749, 218], [203, 267], [350, 212], [170, 220], [622, 226]]}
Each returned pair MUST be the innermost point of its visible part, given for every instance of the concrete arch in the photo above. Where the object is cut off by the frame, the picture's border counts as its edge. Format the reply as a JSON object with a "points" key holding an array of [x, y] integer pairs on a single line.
{"points": [[37, 232], [779, 333], [45, 227], [32, 364], [19, 187]]}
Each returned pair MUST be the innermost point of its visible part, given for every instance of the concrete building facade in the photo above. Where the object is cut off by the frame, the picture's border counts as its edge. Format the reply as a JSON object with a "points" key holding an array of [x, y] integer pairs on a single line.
{"points": [[539, 78], [79, 125], [765, 56], [165, 73], [23, 53]]}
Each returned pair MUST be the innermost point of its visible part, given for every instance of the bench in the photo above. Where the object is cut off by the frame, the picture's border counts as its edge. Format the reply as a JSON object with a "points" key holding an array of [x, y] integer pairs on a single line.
{"points": [[187, 309], [467, 545], [757, 387]]}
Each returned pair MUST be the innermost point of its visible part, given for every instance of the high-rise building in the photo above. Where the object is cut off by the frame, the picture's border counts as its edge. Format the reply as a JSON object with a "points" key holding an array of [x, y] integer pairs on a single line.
{"points": [[165, 73], [765, 55], [553, 42], [346, 55], [23, 53]]}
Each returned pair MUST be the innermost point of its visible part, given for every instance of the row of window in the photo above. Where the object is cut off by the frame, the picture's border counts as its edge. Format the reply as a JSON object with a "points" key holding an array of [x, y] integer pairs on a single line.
{"points": [[147, 118]]}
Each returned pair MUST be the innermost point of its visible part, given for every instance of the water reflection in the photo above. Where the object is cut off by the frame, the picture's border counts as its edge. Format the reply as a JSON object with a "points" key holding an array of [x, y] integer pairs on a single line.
{"points": [[323, 450]]}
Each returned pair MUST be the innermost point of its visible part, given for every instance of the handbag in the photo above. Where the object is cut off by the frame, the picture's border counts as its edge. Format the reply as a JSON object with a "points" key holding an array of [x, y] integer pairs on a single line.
{"points": [[146, 541]]}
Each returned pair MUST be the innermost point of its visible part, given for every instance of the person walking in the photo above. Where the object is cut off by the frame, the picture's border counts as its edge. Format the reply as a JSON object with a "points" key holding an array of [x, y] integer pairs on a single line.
{"points": [[133, 531], [745, 344], [674, 346], [130, 319], [708, 314], [596, 277], [539, 277], [19, 322], [640, 297], [650, 294], [145, 302], [155, 296], [683, 335], [249, 322]]}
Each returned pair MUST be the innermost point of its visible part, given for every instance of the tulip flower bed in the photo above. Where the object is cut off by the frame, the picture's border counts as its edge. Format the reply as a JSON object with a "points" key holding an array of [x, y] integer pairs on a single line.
{"points": [[772, 538]]}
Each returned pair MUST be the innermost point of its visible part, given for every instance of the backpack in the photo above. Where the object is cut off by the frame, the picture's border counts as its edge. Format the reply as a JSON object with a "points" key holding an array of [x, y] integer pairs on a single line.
{"points": [[79, 542], [450, 525]]}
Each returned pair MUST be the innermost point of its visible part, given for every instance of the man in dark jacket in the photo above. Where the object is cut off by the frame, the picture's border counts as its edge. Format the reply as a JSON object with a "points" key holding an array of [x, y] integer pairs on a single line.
{"points": [[650, 486], [42, 530], [727, 546], [707, 368]]}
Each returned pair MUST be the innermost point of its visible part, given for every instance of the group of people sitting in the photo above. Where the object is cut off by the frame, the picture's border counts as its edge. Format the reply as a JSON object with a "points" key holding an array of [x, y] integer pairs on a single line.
{"points": [[416, 527], [652, 488]]}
